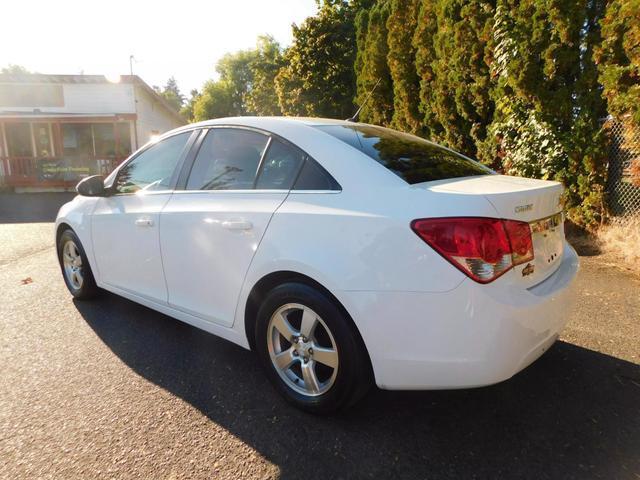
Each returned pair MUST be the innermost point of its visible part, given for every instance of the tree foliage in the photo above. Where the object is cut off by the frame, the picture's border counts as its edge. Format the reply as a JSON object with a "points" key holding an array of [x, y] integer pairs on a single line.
{"points": [[318, 76], [547, 98], [423, 36], [245, 85], [187, 111], [401, 25], [619, 58], [378, 108], [262, 98], [461, 91], [521, 85], [215, 101], [14, 69], [171, 93], [619, 68]]}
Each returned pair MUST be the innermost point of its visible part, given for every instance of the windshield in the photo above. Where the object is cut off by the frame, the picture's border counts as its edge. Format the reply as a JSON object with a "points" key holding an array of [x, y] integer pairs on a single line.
{"points": [[412, 158]]}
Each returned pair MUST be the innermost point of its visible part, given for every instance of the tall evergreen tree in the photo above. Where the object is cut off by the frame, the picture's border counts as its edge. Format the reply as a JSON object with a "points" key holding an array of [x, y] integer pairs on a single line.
{"points": [[171, 93], [546, 121], [423, 37], [619, 68], [318, 77], [463, 87], [619, 58], [361, 26], [401, 26], [378, 109]]}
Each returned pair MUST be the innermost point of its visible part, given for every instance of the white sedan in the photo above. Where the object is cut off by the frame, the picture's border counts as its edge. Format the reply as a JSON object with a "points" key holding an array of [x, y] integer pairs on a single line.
{"points": [[342, 253]]}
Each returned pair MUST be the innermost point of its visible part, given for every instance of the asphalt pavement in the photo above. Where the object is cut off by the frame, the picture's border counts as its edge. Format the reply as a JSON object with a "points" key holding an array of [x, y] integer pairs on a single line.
{"points": [[111, 389]]}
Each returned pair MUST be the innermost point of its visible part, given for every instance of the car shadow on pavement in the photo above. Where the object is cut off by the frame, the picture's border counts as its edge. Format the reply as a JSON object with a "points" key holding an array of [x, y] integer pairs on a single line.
{"points": [[32, 207], [574, 413]]}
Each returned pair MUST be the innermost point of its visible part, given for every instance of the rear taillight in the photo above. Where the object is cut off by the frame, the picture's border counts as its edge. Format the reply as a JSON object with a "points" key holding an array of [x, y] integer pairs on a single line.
{"points": [[482, 248]]}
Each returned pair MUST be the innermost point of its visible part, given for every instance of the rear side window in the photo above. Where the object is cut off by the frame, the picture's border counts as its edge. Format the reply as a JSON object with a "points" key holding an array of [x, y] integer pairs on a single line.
{"points": [[227, 160], [314, 177], [412, 158], [280, 166]]}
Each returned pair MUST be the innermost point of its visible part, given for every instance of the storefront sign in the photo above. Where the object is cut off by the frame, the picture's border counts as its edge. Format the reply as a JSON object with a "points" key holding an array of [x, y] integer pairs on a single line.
{"points": [[49, 170]]}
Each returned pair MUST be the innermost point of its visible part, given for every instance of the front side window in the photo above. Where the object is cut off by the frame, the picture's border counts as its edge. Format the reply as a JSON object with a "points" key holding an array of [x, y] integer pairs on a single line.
{"points": [[228, 159], [152, 169], [412, 158]]}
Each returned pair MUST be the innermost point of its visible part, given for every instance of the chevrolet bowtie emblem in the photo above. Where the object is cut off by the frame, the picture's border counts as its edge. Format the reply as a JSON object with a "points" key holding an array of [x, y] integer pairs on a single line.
{"points": [[524, 208]]}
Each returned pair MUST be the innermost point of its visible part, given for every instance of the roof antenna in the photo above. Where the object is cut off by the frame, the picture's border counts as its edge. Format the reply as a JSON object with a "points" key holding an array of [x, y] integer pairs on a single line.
{"points": [[355, 115]]}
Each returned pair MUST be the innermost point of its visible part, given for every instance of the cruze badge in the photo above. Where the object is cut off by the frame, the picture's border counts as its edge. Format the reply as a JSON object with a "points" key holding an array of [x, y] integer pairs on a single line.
{"points": [[528, 270], [524, 208]]}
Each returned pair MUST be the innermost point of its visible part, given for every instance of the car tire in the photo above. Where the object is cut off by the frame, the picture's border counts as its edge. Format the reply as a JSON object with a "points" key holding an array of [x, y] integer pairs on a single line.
{"points": [[75, 267], [311, 350]]}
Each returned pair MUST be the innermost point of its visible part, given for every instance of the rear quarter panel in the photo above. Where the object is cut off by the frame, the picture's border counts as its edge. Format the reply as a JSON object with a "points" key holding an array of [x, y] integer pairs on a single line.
{"points": [[359, 240]]}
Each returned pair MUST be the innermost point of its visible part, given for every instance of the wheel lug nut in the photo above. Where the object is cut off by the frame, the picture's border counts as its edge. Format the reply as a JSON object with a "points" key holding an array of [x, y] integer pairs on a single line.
{"points": [[311, 351], [306, 359], [295, 353]]}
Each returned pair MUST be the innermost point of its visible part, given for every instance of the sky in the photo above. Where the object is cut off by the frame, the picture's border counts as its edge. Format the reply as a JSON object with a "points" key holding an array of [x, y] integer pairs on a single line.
{"points": [[182, 38]]}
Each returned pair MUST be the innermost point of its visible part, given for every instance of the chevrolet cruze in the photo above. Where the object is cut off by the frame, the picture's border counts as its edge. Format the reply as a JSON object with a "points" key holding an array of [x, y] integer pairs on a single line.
{"points": [[343, 254]]}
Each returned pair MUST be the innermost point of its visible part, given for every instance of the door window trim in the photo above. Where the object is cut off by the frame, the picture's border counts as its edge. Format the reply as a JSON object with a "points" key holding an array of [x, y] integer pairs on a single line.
{"points": [[189, 161], [176, 171]]}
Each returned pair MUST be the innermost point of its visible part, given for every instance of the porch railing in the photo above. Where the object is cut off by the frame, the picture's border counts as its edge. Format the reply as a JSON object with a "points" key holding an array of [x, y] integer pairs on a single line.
{"points": [[52, 172]]}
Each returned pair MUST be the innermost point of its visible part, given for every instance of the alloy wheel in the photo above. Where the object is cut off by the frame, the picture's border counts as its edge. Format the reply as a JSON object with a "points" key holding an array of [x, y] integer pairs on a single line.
{"points": [[72, 263], [302, 349]]}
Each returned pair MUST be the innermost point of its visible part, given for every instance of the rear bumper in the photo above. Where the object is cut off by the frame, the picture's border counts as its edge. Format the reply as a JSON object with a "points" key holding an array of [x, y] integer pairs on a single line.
{"points": [[471, 336]]}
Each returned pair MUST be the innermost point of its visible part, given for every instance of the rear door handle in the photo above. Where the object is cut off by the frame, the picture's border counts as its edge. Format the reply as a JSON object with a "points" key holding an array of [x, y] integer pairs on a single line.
{"points": [[237, 225], [144, 222]]}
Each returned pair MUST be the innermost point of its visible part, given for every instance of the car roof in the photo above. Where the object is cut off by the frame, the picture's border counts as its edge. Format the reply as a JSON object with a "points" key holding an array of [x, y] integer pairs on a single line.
{"points": [[266, 121], [345, 163]]}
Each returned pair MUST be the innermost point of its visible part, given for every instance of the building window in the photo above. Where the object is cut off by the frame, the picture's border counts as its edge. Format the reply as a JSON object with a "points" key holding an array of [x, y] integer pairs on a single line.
{"points": [[19, 139], [77, 140], [123, 139], [105, 140], [43, 140]]}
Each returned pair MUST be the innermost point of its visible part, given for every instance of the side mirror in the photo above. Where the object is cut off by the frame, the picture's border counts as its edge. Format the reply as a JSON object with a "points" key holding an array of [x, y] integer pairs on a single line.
{"points": [[92, 186]]}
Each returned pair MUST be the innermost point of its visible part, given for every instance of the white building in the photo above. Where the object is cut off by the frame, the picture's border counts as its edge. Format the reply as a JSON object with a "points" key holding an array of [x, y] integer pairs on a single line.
{"points": [[55, 129]]}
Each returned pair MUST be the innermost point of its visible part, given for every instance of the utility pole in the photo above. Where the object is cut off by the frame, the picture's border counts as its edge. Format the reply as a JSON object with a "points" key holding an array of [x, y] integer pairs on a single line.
{"points": [[135, 103]]}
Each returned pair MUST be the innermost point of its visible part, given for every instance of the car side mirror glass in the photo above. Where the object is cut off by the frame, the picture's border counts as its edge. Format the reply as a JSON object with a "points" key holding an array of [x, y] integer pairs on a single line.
{"points": [[92, 186]]}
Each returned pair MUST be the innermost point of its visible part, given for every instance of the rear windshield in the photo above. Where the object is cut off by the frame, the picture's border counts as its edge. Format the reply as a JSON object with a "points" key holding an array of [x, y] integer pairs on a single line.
{"points": [[412, 158]]}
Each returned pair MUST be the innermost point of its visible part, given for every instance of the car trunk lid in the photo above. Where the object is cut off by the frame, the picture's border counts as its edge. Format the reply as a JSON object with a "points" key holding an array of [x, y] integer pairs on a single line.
{"points": [[537, 202]]}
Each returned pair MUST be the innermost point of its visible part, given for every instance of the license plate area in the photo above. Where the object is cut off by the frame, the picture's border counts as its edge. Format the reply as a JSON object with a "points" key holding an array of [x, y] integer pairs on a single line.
{"points": [[548, 241]]}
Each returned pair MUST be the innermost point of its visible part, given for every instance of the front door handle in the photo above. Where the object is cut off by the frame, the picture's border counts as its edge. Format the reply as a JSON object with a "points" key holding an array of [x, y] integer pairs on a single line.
{"points": [[237, 225], [144, 222]]}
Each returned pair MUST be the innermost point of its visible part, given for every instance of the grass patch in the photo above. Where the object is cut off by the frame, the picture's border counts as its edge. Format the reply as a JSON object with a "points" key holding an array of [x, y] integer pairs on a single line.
{"points": [[621, 239], [618, 242]]}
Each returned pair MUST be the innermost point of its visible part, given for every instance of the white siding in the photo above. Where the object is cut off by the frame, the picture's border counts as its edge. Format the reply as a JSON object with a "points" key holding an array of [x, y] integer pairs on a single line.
{"points": [[99, 98], [153, 117], [92, 99]]}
